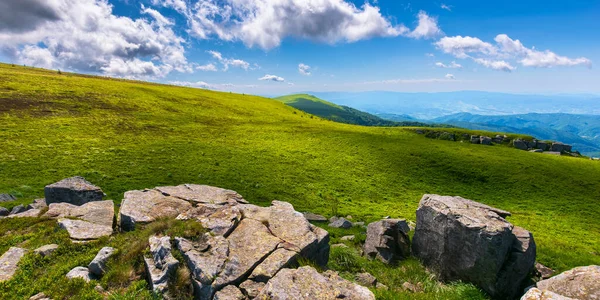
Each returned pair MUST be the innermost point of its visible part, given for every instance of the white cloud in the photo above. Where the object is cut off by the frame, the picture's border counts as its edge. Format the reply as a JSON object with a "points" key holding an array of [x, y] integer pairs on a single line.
{"points": [[533, 58], [446, 7], [304, 69], [427, 27], [449, 76], [227, 62], [178, 5], [460, 46], [452, 65], [84, 35], [429, 54], [410, 81], [207, 67], [499, 65], [272, 78], [213, 86]]}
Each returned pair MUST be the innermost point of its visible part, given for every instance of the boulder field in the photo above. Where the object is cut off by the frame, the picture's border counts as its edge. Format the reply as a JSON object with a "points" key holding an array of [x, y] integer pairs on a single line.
{"points": [[249, 251]]}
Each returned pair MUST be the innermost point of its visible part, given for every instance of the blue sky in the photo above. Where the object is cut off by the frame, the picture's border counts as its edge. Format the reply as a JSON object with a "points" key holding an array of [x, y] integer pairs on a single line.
{"points": [[314, 45]]}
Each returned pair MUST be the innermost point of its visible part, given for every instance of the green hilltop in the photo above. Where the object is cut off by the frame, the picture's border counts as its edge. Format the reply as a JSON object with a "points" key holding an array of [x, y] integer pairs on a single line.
{"points": [[124, 135]]}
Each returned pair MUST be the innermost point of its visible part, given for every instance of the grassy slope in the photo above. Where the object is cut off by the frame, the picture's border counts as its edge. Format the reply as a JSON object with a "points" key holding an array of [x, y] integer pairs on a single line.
{"points": [[125, 135]]}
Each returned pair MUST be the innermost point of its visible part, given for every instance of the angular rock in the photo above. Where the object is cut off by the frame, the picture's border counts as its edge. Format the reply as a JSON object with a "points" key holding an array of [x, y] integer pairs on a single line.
{"points": [[202, 194], [307, 283], [387, 240], [38, 204], [162, 265], [7, 198], [84, 231], [251, 288], [311, 217], [18, 209], [543, 146], [381, 286], [535, 294], [485, 140], [80, 272], [460, 239], [579, 283], [97, 212], [32, 213], [39, 296], [219, 219], [543, 271], [98, 265], [366, 279], [148, 205], [276, 261], [520, 144], [560, 147], [475, 139], [75, 190], [9, 261], [532, 144], [4, 212], [229, 292], [340, 223], [46, 250], [321, 254]]}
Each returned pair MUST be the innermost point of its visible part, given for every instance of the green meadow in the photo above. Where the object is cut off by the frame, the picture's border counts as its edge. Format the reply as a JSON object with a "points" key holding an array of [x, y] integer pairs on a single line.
{"points": [[125, 135]]}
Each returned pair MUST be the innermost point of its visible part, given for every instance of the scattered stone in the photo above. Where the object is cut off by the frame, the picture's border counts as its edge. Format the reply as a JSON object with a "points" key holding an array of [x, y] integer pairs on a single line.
{"points": [[229, 292], [80, 272], [38, 204], [339, 246], [536, 294], [340, 223], [46, 250], [579, 283], [520, 144], [307, 283], [18, 209], [251, 288], [202, 194], [414, 288], [4, 212], [75, 190], [381, 286], [475, 139], [84, 231], [387, 240], [98, 265], [148, 205], [39, 296], [366, 279], [314, 217], [543, 271], [32, 213], [485, 140], [460, 239], [9, 261], [7, 198], [347, 238], [162, 265]]}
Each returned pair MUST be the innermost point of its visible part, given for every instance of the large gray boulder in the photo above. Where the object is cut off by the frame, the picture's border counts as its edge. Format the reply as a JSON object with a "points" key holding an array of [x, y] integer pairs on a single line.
{"points": [[80, 272], [521, 144], [542, 146], [98, 265], [307, 283], [475, 139], [9, 261], [485, 140], [560, 147], [4, 212], [162, 265], [460, 239], [387, 240], [578, 283], [89, 221], [75, 190]]}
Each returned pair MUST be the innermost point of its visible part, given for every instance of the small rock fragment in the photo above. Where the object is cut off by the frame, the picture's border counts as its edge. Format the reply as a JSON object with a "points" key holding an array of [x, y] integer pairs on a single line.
{"points": [[366, 279], [251, 288], [340, 223], [46, 249], [415, 288], [311, 217], [4, 212], [9, 261], [347, 238], [543, 271], [98, 265], [80, 272], [39, 296], [18, 209], [162, 265]]}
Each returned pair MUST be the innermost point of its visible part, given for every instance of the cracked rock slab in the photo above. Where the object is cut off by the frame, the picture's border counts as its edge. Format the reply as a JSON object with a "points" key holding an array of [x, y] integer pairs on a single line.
{"points": [[219, 219], [9, 261], [162, 265], [84, 231], [75, 190], [97, 212], [147, 206], [202, 194], [276, 261], [230, 292]]}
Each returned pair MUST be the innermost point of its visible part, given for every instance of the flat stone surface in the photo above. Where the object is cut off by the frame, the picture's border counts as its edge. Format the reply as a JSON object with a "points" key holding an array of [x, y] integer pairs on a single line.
{"points": [[32, 213], [202, 194], [148, 205], [579, 283], [38, 204], [75, 190], [230, 292], [276, 261], [97, 212], [9, 261], [251, 288], [311, 217], [80, 272], [98, 265], [307, 283], [83, 230], [219, 219], [46, 249], [536, 294]]}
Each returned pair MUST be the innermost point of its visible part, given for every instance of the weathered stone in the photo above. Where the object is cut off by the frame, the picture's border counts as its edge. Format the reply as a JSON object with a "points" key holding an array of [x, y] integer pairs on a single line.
{"points": [[162, 265], [485, 140], [314, 217], [307, 283], [39, 296], [387, 240], [251, 288], [18, 209], [542, 146], [381, 286], [46, 250], [543, 271], [97, 212], [447, 136], [340, 223], [475, 139], [80, 272], [579, 283], [460, 239], [532, 144], [202, 194], [38, 204], [219, 219], [276, 261], [4, 212], [148, 205], [520, 144], [7, 198], [347, 238], [536, 294], [98, 265], [9, 261], [560, 147], [75, 190], [366, 279], [32, 213], [414, 288], [229, 292], [83, 230]]}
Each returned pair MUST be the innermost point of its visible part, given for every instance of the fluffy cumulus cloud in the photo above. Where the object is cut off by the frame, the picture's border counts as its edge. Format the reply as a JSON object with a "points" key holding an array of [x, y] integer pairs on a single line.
{"points": [[495, 56], [272, 78], [207, 67], [85, 35], [452, 65], [304, 69], [227, 62], [427, 27], [449, 76]]}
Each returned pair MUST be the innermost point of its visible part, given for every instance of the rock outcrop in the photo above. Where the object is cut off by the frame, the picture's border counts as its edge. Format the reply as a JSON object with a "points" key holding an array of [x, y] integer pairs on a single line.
{"points": [[578, 283], [307, 283], [75, 190], [161, 265], [89, 221], [387, 240], [460, 239], [148, 205], [9, 261]]}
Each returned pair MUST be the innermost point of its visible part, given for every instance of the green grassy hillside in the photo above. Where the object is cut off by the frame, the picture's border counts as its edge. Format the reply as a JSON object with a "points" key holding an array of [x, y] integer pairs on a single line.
{"points": [[124, 135], [342, 114]]}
